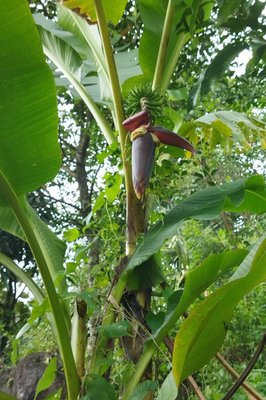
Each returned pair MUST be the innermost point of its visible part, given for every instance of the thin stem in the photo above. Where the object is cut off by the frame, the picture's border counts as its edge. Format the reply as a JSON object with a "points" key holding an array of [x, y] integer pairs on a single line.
{"points": [[140, 368], [19, 211], [195, 388], [234, 374], [248, 369], [112, 72], [168, 73], [151, 348], [109, 317], [48, 196], [133, 210], [160, 63]]}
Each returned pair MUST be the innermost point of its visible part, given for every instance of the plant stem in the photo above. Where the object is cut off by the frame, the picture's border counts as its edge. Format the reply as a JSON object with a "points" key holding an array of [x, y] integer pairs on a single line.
{"points": [[250, 391], [78, 335], [134, 209], [168, 73], [193, 384], [160, 63], [151, 348], [134, 215], [112, 72], [19, 211], [109, 317], [140, 368]]}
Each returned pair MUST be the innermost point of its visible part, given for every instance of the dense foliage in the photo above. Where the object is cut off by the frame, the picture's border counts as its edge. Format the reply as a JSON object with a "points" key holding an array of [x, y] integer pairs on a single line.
{"points": [[156, 280]]}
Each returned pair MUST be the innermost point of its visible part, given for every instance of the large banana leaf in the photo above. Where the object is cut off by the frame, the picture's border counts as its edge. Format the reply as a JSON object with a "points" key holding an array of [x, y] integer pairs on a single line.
{"points": [[70, 50], [202, 334], [219, 64], [113, 9], [182, 19], [214, 71], [196, 281], [90, 37], [29, 151], [224, 128], [243, 195], [70, 63]]}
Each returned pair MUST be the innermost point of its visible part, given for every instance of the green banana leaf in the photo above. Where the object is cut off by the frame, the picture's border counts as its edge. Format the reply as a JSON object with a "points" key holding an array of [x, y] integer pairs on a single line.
{"points": [[214, 71], [113, 9], [203, 332], [224, 128], [89, 37], [247, 194], [168, 390], [196, 281], [64, 57], [185, 19], [219, 64], [69, 48], [29, 151]]}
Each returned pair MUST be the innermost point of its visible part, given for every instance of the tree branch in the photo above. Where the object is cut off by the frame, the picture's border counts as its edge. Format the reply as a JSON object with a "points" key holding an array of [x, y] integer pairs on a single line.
{"points": [[69, 171], [47, 194]]}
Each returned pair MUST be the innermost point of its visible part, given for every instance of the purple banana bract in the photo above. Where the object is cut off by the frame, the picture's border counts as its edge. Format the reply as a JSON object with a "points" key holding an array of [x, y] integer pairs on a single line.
{"points": [[144, 138]]}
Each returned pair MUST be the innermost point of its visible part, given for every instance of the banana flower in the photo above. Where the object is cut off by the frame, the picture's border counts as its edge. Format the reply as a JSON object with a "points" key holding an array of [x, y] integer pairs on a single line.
{"points": [[145, 137]]}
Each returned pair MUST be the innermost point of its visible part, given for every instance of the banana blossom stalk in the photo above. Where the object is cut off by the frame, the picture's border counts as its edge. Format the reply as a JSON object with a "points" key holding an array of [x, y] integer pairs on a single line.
{"points": [[145, 137]]}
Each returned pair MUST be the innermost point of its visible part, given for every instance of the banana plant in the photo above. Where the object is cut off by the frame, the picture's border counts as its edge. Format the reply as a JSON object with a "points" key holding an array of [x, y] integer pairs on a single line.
{"points": [[77, 44], [30, 156]]}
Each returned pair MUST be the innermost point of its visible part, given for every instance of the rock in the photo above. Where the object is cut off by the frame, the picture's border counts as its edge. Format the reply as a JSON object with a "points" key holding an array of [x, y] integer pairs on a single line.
{"points": [[22, 380]]}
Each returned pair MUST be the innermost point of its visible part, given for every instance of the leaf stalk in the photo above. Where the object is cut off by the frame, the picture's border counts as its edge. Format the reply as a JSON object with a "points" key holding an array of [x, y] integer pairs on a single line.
{"points": [[19, 211], [169, 70], [133, 214], [161, 59]]}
